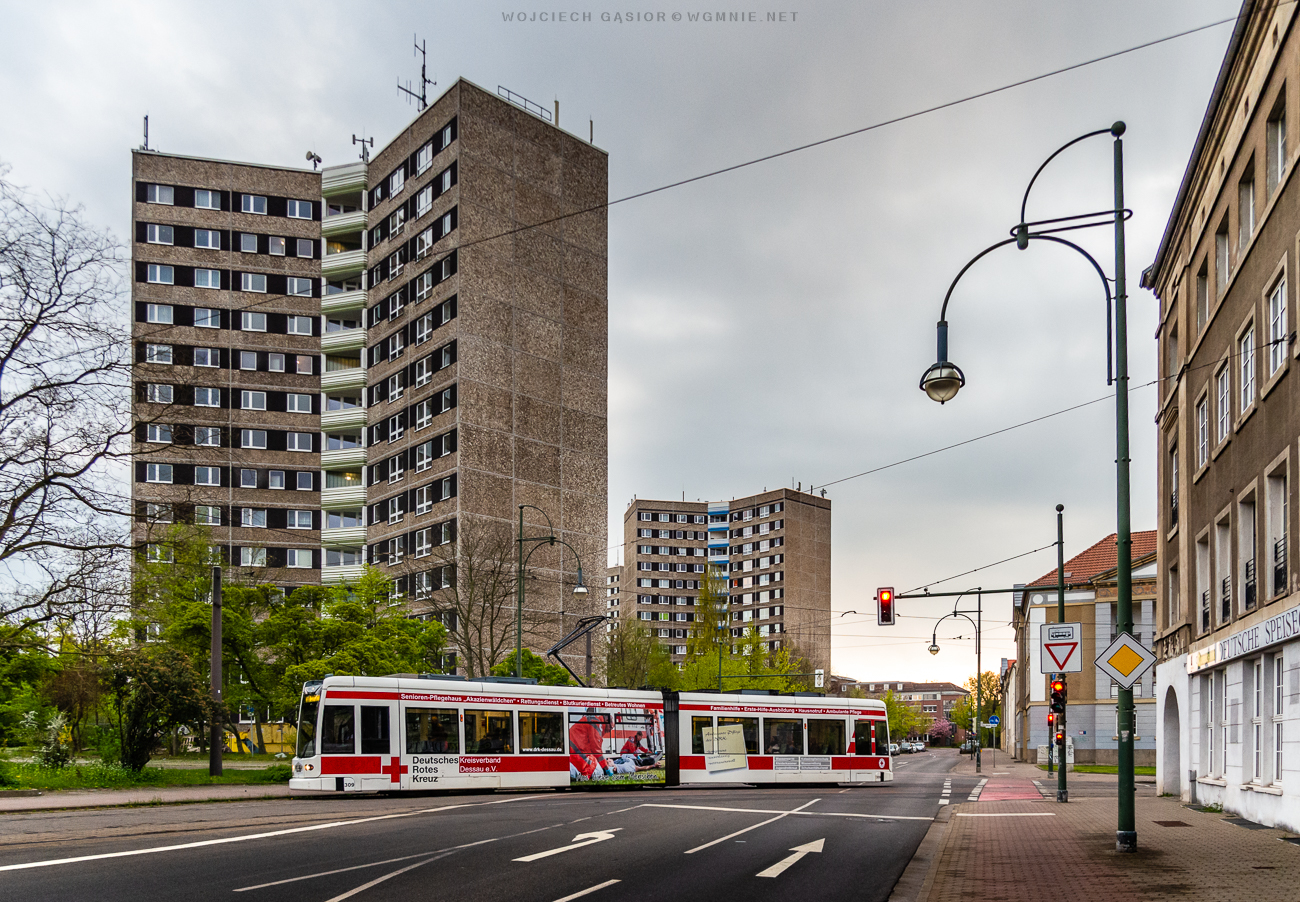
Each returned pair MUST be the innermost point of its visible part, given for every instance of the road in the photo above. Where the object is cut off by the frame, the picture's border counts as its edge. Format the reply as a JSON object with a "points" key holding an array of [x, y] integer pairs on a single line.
{"points": [[849, 842]]}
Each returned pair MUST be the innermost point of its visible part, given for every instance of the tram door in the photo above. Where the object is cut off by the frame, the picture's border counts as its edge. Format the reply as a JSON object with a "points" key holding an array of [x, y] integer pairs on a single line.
{"points": [[870, 748], [430, 746]]}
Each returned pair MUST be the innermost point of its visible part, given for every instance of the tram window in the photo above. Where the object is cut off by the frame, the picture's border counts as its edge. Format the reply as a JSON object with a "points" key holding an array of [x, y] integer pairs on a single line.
{"points": [[374, 730], [750, 725], [783, 737], [862, 738], [825, 737], [541, 732], [431, 731], [338, 731], [698, 726], [489, 732]]}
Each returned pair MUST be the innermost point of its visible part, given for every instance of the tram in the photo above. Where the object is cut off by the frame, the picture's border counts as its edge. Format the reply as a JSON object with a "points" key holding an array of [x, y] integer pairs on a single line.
{"points": [[409, 732]]}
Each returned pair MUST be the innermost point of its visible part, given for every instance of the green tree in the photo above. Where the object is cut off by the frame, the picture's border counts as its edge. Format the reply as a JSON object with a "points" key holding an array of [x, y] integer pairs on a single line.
{"points": [[635, 658], [904, 720], [990, 698], [154, 691], [535, 668]]}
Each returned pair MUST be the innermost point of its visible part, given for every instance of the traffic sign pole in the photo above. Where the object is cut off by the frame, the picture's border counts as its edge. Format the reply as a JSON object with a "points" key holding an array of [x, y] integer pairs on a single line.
{"points": [[1062, 791]]}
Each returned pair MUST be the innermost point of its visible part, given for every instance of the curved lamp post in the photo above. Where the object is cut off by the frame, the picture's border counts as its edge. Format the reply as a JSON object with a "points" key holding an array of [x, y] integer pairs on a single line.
{"points": [[580, 590], [979, 683], [944, 379]]}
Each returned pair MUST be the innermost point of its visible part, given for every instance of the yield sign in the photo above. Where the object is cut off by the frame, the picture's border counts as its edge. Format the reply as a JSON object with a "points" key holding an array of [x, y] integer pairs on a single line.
{"points": [[1060, 644]]}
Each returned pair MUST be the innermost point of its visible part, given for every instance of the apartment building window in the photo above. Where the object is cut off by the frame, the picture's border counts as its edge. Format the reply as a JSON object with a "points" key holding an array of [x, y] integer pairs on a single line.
{"points": [[158, 554], [159, 432], [1277, 718], [252, 438], [397, 221], [160, 194], [159, 234], [1246, 206], [1223, 564], [342, 557], [298, 441], [207, 515], [299, 288], [298, 558], [396, 181], [252, 518], [303, 364], [252, 203], [306, 248], [1257, 719], [1246, 552], [1203, 581], [159, 274], [248, 479], [298, 519], [1246, 354], [161, 473], [247, 243], [306, 483], [207, 318], [158, 354], [423, 201], [1202, 432], [1171, 594], [296, 403], [159, 313], [1222, 404], [1277, 334], [210, 476], [251, 321], [207, 200], [255, 282], [207, 278], [1277, 513], [248, 360], [252, 400], [1275, 138], [1221, 257], [252, 557], [207, 238], [207, 436], [299, 209], [158, 394]]}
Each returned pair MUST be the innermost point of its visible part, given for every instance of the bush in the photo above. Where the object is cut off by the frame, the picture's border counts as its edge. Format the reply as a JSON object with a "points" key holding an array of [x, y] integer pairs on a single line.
{"points": [[278, 773]]}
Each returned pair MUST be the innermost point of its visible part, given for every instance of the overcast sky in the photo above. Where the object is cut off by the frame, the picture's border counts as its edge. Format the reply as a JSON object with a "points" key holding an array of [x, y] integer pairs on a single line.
{"points": [[769, 325]]}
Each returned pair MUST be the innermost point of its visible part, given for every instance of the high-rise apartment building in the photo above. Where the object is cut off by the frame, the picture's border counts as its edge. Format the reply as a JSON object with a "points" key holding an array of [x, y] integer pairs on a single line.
{"points": [[348, 366], [773, 549]]}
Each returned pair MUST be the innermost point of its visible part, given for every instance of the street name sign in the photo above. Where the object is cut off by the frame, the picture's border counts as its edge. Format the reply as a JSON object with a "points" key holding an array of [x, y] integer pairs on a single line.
{"points": [[1126, 660], [1060, 646]]}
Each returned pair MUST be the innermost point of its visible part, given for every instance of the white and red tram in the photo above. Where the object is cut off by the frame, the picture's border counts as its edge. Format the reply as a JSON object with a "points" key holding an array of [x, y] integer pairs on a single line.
{"points": [[405, 732]]}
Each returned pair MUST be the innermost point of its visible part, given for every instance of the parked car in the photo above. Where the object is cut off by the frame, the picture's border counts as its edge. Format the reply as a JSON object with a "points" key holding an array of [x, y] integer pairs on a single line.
{"points": [[905, 747], [918, 746], [893, 748], [968, 746]]}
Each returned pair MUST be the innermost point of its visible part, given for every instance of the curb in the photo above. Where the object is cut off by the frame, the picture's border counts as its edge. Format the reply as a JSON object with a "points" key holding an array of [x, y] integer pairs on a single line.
{"points": [[918, 876], [18, 793]]}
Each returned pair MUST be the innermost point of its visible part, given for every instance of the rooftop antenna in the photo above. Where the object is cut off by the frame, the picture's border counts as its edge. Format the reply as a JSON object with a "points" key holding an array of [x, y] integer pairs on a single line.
{"points": [[425, 81], [145, 145], [313, 159], [365, 151]]}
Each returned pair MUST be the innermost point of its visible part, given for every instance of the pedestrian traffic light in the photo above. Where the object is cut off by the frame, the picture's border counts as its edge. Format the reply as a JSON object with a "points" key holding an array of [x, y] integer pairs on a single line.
{"points": [[885, 607], [1058, 695], [1060, 737]]}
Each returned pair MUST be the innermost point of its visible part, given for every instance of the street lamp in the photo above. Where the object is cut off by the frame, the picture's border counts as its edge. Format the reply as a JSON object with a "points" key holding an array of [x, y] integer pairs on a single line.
{"points": [[943, 380], [580, 590], [979, 683]]}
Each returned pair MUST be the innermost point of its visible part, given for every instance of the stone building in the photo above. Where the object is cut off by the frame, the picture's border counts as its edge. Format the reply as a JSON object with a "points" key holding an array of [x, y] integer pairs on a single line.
{"points": [[1228, 664], [359, 364]]}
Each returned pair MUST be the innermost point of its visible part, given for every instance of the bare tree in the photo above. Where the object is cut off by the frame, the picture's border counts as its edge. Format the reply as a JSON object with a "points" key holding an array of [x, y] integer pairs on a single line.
{"points": [[64, 415]]}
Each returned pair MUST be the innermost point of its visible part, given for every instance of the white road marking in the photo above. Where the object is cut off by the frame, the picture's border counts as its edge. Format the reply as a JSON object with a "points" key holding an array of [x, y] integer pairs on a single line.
{"points": [[797, 811], [943, 801], [590, 889], [582, 839], [975, 793], [778, 869], [1012, 814], [251, 836], [738, 832], [378, 880]]}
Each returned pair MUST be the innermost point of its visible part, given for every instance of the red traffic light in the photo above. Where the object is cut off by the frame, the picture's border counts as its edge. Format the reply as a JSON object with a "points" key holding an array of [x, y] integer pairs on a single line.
{"points": [[1051, 718], [885, 607], [1058, 685], [1060, 738]]}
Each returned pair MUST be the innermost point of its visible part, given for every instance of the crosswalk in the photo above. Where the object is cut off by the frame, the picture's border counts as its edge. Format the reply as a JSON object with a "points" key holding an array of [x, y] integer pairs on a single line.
{"points": [[975, 793], [945, 798]]}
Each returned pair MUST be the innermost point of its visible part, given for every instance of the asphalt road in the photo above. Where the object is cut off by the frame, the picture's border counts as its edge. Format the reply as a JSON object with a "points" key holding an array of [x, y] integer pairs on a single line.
{"points": [[837, 841]]}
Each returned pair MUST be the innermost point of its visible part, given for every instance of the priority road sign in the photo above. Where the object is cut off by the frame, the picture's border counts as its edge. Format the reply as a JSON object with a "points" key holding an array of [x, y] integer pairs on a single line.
{"points": [[1060, 645], [1126, 660]]}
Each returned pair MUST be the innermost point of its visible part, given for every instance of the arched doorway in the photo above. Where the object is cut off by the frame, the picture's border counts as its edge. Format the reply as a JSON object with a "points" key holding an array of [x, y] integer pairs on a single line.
{"points": [[1170, 762]]}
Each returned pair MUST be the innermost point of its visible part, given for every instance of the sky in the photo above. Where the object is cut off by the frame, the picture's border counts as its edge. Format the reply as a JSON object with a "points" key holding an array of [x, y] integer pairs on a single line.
{"points": [[768, 326]]}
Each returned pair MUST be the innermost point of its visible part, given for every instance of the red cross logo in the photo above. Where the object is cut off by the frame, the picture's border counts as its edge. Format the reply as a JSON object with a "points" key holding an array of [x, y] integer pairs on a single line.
{"points": [[394, 770]]}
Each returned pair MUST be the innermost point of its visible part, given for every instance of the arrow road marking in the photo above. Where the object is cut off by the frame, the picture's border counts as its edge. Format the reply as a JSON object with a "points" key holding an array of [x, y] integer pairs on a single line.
{"points": [[778, 869], [582, 839]]}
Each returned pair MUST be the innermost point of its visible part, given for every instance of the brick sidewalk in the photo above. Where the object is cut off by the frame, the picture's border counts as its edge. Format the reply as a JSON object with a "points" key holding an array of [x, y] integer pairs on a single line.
{"points": [[1049, 851]]}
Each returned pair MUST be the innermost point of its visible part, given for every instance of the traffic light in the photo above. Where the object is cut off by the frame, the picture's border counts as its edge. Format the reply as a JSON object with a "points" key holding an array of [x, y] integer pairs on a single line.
{"points": [[1058, 694], [1060, 737], [885, 607], [1051, 720]]}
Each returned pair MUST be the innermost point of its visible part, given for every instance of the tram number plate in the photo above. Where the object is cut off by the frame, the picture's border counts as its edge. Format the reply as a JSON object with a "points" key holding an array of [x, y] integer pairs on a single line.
{"points": [[351, 784]]}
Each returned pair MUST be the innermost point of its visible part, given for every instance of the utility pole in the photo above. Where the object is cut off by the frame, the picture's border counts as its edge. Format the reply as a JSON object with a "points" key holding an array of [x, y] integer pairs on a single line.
{"points": [[214, 721], [1062, 793]]}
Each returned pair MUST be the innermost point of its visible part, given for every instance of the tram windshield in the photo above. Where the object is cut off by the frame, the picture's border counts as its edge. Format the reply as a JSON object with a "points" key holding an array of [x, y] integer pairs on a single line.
{"points": [[308, 707]]}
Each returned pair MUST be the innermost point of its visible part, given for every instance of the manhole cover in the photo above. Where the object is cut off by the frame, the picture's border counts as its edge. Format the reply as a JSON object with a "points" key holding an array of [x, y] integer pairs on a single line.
{"points": [[1249, 825], [1291, 839], [1171, 824]]}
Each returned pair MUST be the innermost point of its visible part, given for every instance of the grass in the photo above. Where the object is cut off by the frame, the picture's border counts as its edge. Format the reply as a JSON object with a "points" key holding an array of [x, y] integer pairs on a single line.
{"points": [[1138, 770], [112, 776]]}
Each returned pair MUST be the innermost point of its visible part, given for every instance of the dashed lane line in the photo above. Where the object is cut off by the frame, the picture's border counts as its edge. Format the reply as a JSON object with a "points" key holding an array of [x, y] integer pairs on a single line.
{"points": [[975, 793]]}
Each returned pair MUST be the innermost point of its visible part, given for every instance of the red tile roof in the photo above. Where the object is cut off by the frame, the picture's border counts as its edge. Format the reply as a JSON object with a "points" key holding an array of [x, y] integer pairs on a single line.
{"points": [[1098, 559]]}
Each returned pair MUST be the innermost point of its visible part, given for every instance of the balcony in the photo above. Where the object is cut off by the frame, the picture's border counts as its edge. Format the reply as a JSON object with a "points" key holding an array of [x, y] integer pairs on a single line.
{"points": [[345, 179], [349, 457], [343, 223], [343, 497], [343, 301], [347, 418], [349, 378], [348, 535], [343, 340], [343, 264], [333, 576]]}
